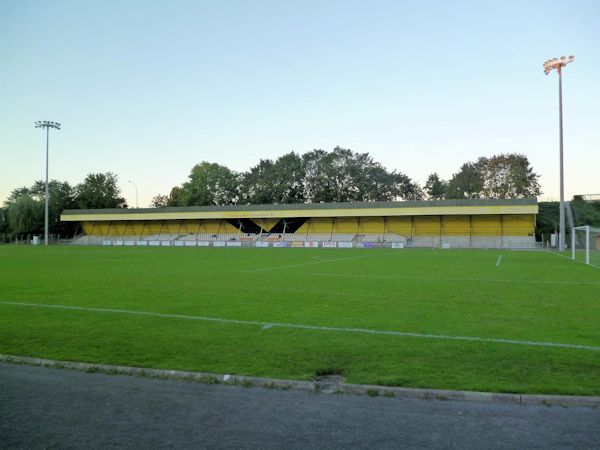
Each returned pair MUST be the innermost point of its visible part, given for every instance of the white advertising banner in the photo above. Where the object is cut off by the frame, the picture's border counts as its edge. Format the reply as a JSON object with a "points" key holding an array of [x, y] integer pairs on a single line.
{"points": [[203, 243], [129, 243], [344, 244], [190, 243], [311, 244], [165, 243], [106, 242], [397, 244], [118, 243], [154, 243], [142, 243], [234, 244], [219, 244], [261, 244], [328, 244], [179, 243]]}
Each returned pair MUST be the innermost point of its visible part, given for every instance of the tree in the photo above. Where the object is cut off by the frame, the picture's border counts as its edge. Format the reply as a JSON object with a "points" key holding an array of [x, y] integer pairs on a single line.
{"points": [[159, 201], [344, 176], [259, 184], [26, 215], [61, 197], [509, 176], [208, 184], [316, 188], [289, 175], [100, 190], [4, 225], [468, 181], [317, 176], [406, 189], [15, 194], [583, 213], [435, 187], [500, 176]]}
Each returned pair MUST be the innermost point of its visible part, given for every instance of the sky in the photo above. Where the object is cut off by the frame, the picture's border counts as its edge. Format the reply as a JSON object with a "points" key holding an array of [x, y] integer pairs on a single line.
{"points": [[148, 89]]}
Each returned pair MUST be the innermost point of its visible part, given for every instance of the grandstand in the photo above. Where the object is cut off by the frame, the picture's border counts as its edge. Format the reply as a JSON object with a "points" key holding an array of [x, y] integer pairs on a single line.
{"points": [[491, 223]]}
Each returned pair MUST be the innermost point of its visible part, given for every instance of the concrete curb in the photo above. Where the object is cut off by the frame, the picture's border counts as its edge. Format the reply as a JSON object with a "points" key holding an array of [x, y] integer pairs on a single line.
{"points": [[324, 386]]}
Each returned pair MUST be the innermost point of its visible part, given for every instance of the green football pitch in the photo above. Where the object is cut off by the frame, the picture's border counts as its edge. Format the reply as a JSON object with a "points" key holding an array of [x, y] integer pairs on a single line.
{"points": [[484, 320]]}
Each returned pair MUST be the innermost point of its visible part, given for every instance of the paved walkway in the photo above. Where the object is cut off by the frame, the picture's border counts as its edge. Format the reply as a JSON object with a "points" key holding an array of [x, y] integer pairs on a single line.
{"points": [[41, 407]]}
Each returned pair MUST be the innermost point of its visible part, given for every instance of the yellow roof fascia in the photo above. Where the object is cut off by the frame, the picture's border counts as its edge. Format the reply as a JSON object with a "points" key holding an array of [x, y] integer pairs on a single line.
{"points": [[287, 213]]}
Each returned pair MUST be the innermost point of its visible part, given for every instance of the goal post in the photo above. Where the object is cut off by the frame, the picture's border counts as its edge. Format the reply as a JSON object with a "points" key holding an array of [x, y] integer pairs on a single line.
{"points": [[585, 244]]}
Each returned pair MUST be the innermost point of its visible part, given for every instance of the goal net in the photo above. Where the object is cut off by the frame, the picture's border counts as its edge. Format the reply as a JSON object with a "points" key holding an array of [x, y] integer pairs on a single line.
{"points": [[585, 245]]}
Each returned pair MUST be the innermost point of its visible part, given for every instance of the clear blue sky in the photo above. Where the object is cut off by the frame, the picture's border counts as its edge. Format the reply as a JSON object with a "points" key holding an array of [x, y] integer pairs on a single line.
{"points": [[147, 89]]}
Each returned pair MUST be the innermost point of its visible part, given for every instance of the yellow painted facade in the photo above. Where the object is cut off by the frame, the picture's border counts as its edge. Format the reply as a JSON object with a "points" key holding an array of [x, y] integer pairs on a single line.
{"points": [[414, 226], [466, 218]]}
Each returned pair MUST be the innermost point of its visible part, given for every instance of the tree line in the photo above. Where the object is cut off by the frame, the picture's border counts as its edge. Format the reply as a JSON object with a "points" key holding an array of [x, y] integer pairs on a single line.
{"points": [[582, 213], [24, 210], [340, 175], [346, 176]]}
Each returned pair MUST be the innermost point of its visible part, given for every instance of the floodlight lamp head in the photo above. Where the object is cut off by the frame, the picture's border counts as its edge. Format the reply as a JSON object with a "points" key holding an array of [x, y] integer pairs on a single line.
{"points": [[557, 63], [47, 124]]}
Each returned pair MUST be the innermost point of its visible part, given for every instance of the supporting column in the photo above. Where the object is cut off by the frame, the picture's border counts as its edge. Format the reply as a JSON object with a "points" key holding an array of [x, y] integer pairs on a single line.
{"points": [[160, 230], [384, 227], [179, 229], [108, 230], [92, 232], [332, 226], [501, 231], [470, 231]]}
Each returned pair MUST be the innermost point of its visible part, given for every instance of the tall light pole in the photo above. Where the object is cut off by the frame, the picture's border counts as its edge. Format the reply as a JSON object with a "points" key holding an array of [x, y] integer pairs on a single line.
{"points": [[47, 125], [550, 65], [136, 193]]}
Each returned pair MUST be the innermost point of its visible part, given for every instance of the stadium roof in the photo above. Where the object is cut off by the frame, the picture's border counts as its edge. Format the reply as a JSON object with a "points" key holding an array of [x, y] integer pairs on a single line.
{"points": [[349, 209]]}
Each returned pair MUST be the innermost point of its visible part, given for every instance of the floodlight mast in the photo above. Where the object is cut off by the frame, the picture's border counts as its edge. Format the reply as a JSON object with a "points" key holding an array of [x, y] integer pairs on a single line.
{"points": [[47, 125], [550, 65]]}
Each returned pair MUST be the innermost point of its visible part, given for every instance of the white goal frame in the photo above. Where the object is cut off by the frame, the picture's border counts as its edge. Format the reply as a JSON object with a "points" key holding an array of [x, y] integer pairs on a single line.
{"points": [[587, 229]]}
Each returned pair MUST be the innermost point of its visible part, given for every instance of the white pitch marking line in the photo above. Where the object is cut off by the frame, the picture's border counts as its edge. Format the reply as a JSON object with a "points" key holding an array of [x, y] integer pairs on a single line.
{"points": [[291, 266], [499, 260], [484, 280], [574, 260], [310, 327]]}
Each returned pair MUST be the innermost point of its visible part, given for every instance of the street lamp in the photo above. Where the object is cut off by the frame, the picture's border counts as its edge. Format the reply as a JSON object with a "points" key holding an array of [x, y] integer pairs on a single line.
{"points": [[136, 192], [47, 125], [550, 65]]}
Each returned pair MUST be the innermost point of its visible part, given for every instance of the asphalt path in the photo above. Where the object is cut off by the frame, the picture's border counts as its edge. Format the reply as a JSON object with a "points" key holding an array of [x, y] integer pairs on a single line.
{"points": [[54, 408]]}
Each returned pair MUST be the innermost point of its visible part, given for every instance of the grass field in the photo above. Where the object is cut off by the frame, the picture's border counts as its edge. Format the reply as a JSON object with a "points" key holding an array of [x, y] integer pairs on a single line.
{"points": [[517, 299], [580, 255]]}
